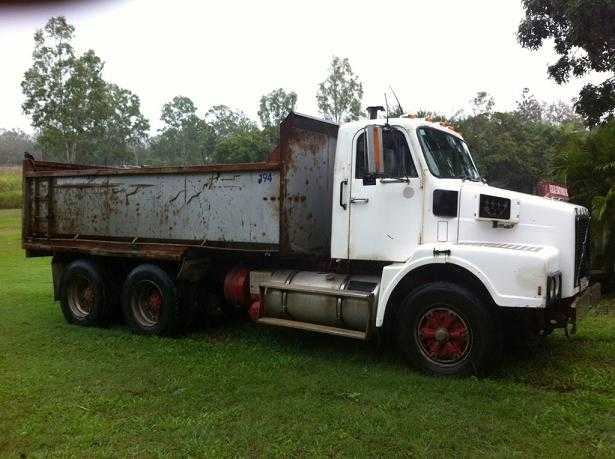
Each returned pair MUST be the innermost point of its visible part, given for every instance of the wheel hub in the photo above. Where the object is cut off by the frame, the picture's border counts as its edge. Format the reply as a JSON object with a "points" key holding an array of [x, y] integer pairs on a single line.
{"points": [[152, 306], [146, 304], [81, 297], [443, 336]]}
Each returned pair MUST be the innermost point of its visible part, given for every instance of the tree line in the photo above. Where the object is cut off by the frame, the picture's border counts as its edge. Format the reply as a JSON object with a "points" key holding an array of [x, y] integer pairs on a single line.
{"points": [[78, 116]]}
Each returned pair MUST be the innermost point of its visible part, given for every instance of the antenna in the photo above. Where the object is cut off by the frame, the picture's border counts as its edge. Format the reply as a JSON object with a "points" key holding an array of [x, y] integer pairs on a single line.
{"points": [[395, 95], [386, 102]]}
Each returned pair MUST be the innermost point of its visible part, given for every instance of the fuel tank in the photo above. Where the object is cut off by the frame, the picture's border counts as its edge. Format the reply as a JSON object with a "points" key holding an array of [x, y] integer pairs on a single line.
{"points": [[340, 300]]}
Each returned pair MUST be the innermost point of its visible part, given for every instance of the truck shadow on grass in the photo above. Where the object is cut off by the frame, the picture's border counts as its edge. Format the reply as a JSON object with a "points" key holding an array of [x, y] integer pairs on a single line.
{"points": [[556, 364], [583, 364], [296, 342]]}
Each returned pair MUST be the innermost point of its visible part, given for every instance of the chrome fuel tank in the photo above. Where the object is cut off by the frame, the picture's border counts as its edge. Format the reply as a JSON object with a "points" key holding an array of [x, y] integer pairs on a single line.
{"points": [[341, 300]]}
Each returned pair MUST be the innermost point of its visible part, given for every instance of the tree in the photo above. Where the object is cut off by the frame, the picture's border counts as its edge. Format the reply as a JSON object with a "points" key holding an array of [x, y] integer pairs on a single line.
{"points": [[78, 115], [529, 108], [482, 104], [44, 84], [562, 113], [276, 106], [533, 111], [242, 147], [339, 95], [511, 152], [125, 128], [237, 137], [222, 136], [179, 112], [584, 36], [185, 138], [586, 163], [431, 116], [13, 144], [226, 122]]}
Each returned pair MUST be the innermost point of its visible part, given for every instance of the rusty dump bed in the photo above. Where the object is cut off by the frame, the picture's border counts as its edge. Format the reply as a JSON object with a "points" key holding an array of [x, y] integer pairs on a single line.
{"points": [[280, 206]]}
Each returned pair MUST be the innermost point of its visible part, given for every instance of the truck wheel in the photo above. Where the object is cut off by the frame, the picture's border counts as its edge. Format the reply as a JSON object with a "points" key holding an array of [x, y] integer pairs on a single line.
{"points": [[150, 302], [444, 329], [83, 294]]}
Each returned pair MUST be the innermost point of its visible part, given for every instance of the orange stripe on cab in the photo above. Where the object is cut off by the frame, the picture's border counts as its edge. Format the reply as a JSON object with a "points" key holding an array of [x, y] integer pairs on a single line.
{"points": [[377, 150]]}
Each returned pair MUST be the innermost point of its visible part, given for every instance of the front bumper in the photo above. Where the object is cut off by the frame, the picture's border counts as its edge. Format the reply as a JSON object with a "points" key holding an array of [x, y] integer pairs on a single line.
{"points": [[566, 312]]}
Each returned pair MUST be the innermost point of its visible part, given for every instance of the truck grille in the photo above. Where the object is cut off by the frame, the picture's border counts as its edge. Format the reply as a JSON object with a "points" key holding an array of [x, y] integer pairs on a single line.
{"points": [[581, 249]]}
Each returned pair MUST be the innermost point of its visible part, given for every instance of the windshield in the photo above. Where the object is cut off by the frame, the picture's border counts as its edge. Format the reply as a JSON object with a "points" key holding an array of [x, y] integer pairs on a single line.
{"points": [[447, 156]]}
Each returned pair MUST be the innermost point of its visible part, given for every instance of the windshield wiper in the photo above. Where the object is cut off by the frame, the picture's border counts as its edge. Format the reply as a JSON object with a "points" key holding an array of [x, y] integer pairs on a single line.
{"points": [[465, 176]]}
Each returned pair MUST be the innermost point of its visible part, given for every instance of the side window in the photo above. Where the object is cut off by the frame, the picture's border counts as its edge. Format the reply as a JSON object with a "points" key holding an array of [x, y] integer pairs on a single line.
{"points": [[396, 156]]}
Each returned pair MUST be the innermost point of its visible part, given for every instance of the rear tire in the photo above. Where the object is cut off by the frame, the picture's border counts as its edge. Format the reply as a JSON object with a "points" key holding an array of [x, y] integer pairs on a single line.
{"points": [[444, 329], [84, 294], [150, 302]]}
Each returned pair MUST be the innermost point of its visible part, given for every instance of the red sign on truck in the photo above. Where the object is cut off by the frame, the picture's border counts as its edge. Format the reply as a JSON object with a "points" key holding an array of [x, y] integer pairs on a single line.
{"points": [[552, 190]]}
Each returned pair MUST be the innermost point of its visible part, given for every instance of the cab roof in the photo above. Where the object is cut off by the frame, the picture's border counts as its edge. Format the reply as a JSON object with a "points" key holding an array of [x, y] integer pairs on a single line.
{"points": [[405, 122]]}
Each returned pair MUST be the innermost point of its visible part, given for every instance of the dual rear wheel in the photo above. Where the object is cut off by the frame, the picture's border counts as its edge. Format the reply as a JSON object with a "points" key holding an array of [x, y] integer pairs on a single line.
{"points": [[149, 301]]}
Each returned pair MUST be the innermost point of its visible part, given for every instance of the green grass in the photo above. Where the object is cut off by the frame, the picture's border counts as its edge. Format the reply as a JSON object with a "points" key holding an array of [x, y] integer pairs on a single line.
{"points": [[10, 188], [240, 390]]}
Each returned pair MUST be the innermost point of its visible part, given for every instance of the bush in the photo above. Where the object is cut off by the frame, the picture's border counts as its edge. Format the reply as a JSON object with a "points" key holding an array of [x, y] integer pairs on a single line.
{"points": [[10, 200]]}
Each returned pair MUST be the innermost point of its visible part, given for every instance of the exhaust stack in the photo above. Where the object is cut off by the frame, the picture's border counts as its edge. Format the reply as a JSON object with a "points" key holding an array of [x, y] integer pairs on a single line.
{"points": [[373, 111]]}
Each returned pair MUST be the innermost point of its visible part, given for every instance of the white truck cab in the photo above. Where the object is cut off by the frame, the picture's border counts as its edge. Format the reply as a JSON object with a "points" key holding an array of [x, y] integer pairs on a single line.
{"points": [[410, 195]]}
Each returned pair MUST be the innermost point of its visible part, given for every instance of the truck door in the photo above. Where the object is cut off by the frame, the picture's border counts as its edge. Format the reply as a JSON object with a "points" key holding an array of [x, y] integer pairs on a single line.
{"points": [[385, 197]]}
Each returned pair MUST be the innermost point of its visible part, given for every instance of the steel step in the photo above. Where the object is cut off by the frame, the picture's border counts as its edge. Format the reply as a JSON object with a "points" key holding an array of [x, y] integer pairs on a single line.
{"points": [[313, 327]]}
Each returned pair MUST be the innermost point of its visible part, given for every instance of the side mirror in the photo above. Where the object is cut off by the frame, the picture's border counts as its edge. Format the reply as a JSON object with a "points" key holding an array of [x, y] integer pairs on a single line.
{"points": [[375, 163]]}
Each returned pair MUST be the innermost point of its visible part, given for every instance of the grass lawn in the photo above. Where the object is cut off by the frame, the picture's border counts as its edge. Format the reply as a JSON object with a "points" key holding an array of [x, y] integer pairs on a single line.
{"points": [[249, 391], [10, 187]]}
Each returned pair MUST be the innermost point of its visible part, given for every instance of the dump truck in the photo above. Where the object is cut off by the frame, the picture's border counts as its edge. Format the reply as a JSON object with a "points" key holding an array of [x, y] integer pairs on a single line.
{"points": [[378, 229]]}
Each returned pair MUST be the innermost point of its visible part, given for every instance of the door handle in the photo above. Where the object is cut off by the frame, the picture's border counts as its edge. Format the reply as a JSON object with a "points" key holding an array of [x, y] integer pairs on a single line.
{"points": [[359, 200], [395, 180], [342, 183]]}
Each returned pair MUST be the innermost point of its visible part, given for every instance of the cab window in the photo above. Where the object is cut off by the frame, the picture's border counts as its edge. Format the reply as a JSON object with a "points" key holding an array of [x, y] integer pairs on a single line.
{"points": [[396, 156]]}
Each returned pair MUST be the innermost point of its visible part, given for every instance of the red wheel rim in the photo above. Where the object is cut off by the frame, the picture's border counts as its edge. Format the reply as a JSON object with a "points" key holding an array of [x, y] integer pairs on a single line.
{"points": [[443, 336], [146, 303]]}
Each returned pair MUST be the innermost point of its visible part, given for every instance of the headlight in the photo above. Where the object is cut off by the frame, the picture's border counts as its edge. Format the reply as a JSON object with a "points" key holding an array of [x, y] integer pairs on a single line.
{"points": [[494, 207]]}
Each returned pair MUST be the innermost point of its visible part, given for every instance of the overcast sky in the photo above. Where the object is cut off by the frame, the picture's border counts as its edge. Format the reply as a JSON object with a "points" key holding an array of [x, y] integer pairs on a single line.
{"points": [[435, 54]]}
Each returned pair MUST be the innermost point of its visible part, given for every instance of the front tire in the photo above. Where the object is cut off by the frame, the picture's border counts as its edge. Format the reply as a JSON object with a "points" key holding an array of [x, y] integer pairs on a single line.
{"points": [[150, 302], [445, 329]]}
